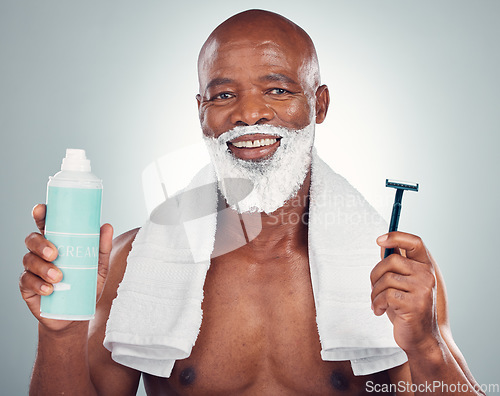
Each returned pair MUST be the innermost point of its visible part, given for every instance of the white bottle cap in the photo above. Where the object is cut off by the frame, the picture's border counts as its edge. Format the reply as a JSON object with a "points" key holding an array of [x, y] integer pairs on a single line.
{"points": [[75, 160]]}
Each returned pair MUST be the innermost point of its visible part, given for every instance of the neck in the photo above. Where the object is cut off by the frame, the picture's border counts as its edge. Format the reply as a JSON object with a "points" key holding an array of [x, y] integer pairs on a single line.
{"points": [[284, 228], [291, 220]]}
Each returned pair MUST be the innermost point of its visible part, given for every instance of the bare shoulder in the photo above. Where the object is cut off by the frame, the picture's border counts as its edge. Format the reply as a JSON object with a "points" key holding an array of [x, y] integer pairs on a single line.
{"points": [[122, 245], [109, 377]]}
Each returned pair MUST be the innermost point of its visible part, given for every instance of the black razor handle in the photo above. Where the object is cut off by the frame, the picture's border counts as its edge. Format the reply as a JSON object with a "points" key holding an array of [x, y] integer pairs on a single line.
{"points": [[396, 211]]}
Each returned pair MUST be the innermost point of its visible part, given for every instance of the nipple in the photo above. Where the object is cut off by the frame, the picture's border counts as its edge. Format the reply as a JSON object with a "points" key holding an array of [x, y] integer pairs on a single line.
{"points": [[187, 376]]}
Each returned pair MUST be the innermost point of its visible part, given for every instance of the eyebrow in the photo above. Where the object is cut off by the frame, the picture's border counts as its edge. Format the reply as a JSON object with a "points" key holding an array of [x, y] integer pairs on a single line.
{"points": [[278, 77], [267, 78], [218, 81]]}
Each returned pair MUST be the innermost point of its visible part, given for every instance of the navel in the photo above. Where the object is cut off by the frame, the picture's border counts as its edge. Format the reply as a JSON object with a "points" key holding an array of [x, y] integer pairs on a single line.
{"points": [[187, 376], [339, 381]]}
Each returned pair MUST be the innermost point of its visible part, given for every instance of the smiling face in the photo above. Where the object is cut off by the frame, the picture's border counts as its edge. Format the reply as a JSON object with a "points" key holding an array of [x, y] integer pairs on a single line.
{"points": [[259, 100], [258, 68]]}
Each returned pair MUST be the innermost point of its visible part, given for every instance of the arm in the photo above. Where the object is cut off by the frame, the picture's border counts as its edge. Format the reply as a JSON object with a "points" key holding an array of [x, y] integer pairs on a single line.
{"points": [[64, 362], [410, 289], [61, 364]]}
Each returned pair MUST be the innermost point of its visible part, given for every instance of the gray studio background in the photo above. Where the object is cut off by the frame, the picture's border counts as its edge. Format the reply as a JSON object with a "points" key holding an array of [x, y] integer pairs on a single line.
{"points": [[415, 96]]}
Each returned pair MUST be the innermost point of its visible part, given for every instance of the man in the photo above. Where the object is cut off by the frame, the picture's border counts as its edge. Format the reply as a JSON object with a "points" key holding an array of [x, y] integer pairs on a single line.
{"points": [[256, 69]]}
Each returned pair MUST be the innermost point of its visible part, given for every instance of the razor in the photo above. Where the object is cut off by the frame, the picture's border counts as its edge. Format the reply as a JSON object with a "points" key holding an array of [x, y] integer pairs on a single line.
{"points": [[396, 208]]}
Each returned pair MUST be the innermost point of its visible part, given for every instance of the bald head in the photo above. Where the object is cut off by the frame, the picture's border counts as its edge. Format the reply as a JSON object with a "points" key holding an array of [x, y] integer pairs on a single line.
{"points": [[258, 67], [255, 27]]}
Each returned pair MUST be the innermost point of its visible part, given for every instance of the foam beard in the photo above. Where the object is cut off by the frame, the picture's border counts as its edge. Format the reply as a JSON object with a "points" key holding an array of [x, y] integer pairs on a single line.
{"points": [[272, 181]]}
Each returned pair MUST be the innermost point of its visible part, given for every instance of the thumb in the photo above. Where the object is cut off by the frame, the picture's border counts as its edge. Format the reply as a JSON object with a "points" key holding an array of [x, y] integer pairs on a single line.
{"points": [[396, 250], [105, 244], [38, 214], [381, 241]]}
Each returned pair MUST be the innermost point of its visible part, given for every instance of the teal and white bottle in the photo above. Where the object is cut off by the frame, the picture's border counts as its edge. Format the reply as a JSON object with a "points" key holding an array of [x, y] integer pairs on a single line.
{"points": [[72, 224]]}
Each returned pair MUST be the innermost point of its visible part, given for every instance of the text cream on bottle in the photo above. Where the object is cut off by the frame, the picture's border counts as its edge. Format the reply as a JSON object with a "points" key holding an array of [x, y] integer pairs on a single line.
{"points": [[72, 224]]}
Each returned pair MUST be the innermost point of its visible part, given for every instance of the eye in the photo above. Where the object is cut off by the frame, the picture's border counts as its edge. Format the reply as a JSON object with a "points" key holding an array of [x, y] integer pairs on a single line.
{"points": [[278, 91], [223, 96]]}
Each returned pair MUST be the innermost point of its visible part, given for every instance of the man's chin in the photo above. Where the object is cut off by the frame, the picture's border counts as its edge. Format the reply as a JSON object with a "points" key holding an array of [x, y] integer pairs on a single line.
{"points": [[267, 197]]}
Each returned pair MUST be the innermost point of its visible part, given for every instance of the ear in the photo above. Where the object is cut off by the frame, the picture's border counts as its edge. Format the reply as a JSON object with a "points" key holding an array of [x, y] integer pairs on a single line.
{"points": [[198, 99], [201, 115], [322, 103]]}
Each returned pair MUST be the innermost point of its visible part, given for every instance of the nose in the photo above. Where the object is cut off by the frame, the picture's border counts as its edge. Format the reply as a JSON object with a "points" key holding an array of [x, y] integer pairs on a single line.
{"points": [[251, 109]]}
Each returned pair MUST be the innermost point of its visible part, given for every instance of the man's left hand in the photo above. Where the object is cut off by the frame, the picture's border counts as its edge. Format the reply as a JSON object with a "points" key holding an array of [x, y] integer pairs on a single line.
{"points": [[404, 286]]}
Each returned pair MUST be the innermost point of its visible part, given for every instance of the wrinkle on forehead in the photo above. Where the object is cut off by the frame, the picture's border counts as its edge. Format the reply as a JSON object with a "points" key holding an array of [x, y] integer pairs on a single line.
{"points": [[276, 54], [257, 28], [216, 47]]}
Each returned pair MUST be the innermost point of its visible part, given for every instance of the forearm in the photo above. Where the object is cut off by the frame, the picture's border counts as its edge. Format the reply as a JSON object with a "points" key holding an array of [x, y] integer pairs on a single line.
{"points": [[435, 371], [61, 365]]}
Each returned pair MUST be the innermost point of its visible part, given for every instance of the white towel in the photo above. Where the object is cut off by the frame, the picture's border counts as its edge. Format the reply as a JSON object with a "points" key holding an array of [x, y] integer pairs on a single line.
{"points": [[157, 314]]}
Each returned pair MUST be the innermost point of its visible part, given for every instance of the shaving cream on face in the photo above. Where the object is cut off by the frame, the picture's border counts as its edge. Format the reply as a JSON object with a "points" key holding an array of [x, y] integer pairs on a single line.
{"points": [[275, 179]]}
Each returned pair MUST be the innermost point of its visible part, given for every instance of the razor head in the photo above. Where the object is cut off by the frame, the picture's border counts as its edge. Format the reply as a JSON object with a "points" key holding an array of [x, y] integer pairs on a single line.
{"points": [[401, 185]]}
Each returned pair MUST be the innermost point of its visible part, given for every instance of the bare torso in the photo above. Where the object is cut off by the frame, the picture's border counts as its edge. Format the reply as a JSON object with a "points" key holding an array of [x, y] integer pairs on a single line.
{"points": [[259, 334]]}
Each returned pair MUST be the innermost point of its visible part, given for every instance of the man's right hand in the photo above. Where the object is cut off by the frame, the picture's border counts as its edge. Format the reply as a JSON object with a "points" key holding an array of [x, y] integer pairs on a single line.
{"points": [[40, 273]]}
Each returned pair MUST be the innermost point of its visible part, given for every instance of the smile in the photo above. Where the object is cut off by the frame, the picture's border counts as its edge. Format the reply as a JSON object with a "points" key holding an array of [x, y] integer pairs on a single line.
{"points": [[254, 147], [255, 143]]}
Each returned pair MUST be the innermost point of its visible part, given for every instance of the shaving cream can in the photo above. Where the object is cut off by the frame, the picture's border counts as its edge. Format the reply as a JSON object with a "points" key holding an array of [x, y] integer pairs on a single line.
{"points": [[72, 224]]}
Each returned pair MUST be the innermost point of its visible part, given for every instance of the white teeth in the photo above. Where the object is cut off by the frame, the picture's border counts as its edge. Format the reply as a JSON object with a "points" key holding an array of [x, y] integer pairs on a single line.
{"points": [[255, 143]]}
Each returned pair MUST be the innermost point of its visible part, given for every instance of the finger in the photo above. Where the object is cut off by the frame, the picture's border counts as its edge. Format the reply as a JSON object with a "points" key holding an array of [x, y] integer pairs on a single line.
{"points": [[412, 244], [390, 300], [38, 214], [105, 242], [394, 263], [396, 251], [31, 286], [105, 245], [41, 268], [40, 246], [392, 280]]}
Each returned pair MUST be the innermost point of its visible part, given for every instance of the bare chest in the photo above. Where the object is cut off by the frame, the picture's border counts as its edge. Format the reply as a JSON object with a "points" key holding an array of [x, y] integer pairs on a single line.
{"points": [[259, 335]]}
